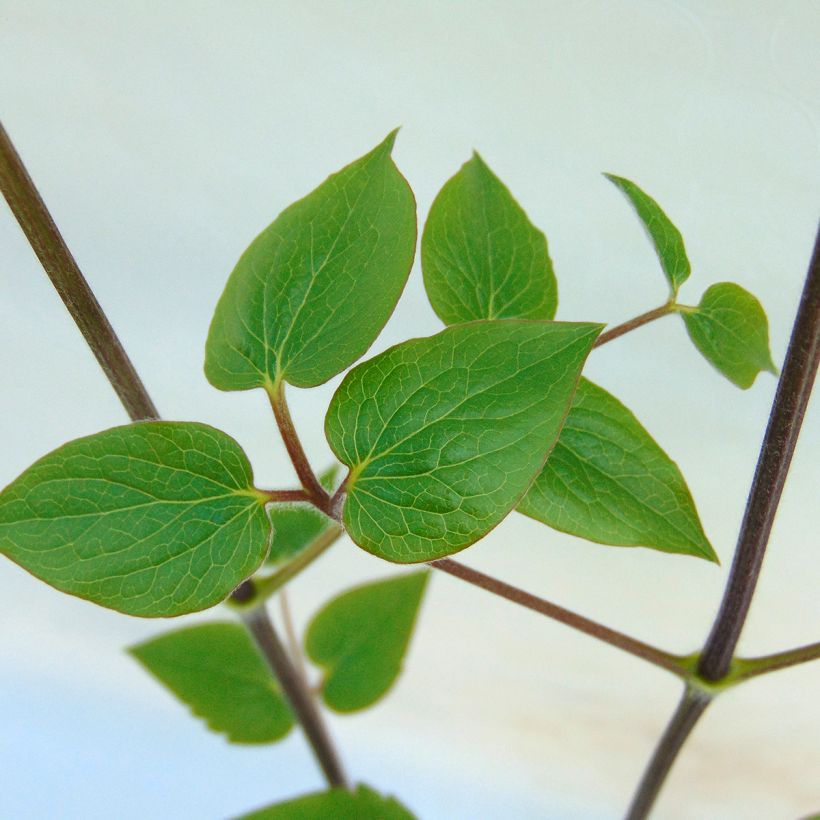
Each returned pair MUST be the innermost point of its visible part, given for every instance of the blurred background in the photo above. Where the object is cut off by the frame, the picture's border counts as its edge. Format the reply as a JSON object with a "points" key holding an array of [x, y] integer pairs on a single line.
{"points": [[164, 137]]}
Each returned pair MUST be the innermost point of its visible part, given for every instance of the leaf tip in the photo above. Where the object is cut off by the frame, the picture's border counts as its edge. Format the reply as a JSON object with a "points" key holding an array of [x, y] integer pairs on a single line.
{"points": [[389, 141]]}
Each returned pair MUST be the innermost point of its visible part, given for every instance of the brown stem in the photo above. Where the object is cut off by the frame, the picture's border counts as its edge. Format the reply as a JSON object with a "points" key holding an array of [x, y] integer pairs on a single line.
{"points": [[293, 641], [285, 496], [691, 707], [315, 491], [643, 319], [752, 667], [69, 282], [298, 696], [665, 660], [788, 409]]}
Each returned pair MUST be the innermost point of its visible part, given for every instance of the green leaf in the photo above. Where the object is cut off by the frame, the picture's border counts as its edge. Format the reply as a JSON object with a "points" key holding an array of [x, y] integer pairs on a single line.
{"points": [[481, 256], [216, 670], [336, 804], [315, 288], [444, 435], [608, 481], [295, 526], [153, 519], [665, 236], [360, 639], [730, 329]]}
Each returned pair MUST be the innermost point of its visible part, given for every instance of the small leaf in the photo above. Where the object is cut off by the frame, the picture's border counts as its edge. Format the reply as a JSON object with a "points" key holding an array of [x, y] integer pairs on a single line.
{"points": [[665, 236], [608, 481], [444, 435], [482, 257], [730, 329], [360, 639], [216, 670], [295, 526], [153, 519], [336, 804], [315, 288]]}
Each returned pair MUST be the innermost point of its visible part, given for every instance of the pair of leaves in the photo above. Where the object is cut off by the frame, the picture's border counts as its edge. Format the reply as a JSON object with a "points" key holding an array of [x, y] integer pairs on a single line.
{"points": [[729, 326], [606, 479], [336, 804], [359, 639]]}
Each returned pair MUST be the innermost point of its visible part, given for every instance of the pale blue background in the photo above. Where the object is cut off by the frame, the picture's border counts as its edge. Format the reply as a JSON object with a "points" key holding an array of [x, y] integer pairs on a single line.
{"points": [[164, 136]]}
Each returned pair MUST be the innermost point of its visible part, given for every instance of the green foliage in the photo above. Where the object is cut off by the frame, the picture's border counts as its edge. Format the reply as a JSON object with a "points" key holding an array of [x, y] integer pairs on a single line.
{"points": [[216, 670], [608, 481], [313, 290], [482, 257], [444, 435], [665, 236], [336, 804], [153, 519], [360, 639], [295, 526], [729, 327]]}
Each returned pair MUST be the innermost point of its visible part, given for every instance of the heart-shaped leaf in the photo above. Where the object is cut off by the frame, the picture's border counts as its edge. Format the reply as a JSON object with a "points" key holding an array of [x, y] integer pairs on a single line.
{"points": [[444, 435], [360, 639], [315, 288], [482, 257], [336, 804], [153, 519], [664, 235], [730, 329], [217, 671], [607, 480]]}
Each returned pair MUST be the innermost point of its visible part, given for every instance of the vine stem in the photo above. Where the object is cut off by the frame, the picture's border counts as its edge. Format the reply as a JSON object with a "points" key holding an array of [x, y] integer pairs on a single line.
{"points": [[785, 419], [46, 241], [638, 321], [294, 687], [665, 660], [752, 667]]}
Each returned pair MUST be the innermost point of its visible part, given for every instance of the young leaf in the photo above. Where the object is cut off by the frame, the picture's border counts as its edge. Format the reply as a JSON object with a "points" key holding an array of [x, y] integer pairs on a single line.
{"points": [[336, 804], [313, 290], [730, 329], [481, 256], [153, 519], [444, 435], [296, 525], [360, 639], [665, 236], [608, 481], [216, 670]]}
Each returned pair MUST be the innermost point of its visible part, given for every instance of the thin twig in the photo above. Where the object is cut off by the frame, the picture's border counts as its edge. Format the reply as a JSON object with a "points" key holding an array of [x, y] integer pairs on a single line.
{"points": [[639, 649], [299, 697], [643, 319], [790, 401], [47, 242], [746, 668], [313, 487], [691, 707], [55, 257]]}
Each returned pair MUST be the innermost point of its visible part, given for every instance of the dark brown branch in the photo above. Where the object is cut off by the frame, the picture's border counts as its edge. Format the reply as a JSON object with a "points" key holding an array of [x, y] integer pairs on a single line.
{"points": [[691, 707], [643, 319], [298, 696], [671, 663], [752, 667], [46, 241], [791, 399]]}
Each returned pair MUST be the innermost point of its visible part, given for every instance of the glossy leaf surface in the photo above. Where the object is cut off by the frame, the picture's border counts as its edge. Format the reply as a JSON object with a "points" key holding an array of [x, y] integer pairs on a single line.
{"points": [[360, 639], [481, 256], [313, 290], [336, 804], [295, 526], [729, 327], [444, 435], [607, 480], [663, 234], [153, 519], [216, 670]]}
